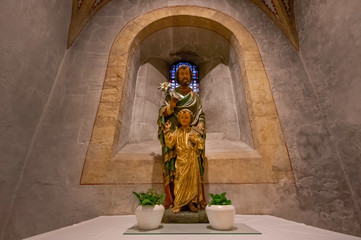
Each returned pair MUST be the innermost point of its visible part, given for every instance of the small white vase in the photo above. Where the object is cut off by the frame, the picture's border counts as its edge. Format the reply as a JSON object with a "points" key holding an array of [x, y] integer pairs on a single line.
{"points": [[149, 217], [221, 217]]}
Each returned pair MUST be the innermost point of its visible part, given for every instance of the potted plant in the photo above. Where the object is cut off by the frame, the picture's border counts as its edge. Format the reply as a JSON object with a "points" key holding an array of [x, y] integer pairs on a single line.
{"points": [[220, 212], [150, 211]]}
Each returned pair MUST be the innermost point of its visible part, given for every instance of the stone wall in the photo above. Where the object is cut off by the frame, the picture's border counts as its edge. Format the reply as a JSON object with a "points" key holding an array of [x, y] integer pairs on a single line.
{"points": [[330, 40], [324, 160], [238, 88], [32, 46], [218, 101], [146, 104], [310, 101]]}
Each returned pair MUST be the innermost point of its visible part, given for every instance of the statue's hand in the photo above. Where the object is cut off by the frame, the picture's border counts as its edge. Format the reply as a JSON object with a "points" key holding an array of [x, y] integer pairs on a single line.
{"points": [[167, 126], [200, 126], [173, 103], [193, 138]]}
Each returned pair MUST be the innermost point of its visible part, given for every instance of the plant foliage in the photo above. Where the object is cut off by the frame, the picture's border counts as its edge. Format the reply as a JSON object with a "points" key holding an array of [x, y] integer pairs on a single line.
{"points": [[150, 198], [219, 199]]}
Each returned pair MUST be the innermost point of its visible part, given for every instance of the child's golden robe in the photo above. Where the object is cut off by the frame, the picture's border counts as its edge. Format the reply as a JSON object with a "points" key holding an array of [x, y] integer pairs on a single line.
{"points": [[188, 181]]}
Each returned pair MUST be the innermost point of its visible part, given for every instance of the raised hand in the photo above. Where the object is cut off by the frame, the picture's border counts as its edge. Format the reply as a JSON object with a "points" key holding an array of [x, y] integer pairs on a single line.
{"points": [[200, 126], [167, 126]]}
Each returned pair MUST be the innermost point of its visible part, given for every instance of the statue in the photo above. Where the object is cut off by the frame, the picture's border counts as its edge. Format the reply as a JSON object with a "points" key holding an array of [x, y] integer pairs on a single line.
{"points": [[183, 150], [188, 144]]}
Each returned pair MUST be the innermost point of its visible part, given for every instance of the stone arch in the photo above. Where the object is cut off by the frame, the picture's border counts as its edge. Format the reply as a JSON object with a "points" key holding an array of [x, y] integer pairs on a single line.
{"points": [[267, 164]]}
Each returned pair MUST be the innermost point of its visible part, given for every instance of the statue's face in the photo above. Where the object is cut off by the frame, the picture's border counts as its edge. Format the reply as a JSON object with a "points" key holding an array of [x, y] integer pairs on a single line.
{"points": [[184, 77], [184, 119]]}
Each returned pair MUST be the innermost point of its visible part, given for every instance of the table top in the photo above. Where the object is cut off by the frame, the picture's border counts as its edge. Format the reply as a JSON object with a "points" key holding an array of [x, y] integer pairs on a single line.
{"points": [[113, 227]]}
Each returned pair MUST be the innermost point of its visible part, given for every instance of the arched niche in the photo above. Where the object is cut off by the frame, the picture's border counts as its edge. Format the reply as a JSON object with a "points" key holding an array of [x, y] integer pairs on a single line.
{"points": [[221, 91], [266, 162]]}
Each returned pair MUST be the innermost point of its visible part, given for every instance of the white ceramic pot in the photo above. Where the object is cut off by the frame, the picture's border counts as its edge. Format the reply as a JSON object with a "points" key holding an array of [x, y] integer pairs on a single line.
{"points": [[221, 217], [149, 217]]}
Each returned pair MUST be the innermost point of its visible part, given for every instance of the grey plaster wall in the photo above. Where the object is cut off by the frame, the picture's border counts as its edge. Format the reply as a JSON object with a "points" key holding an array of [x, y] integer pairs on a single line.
{"points": [[32, 46], [324, 194], [146, 104], [219, 103], [325, 168], [330, 40]]}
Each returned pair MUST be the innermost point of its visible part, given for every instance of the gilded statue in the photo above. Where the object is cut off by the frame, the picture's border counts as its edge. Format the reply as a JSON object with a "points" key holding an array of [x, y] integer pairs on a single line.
{"points": [[182, 133]]}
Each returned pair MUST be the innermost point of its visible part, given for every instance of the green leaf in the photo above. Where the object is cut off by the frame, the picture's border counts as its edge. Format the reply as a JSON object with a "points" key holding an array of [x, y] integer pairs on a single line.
{"points": [[150, 198], [219, 199], [147, 202]]}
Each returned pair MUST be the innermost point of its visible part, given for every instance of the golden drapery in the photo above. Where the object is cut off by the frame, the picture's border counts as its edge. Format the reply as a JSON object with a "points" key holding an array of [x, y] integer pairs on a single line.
{"points": [[188, 179]]}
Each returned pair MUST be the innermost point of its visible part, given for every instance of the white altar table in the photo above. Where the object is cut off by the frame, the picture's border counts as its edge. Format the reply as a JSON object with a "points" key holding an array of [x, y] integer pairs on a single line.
{"points": [[113, 227]]}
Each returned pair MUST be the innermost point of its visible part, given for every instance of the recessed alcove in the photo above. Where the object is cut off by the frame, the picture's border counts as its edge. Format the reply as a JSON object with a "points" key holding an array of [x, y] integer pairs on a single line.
{"points": [[245, 142], [228, 129]]}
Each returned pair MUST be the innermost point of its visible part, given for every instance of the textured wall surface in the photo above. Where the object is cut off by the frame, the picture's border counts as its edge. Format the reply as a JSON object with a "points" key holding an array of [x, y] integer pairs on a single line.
{"points": [[330, 40], [304, 85], [242, 110], [315, 91], [32, 46], [146, 104], [219, 103]]}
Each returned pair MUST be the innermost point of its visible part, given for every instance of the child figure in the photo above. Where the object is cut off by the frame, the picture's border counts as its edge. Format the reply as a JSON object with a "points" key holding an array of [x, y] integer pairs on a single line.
{"points": [[188, 145]]}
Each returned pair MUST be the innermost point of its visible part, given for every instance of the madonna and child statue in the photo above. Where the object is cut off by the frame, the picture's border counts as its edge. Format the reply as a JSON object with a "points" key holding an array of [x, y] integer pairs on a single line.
{"points": [[182, 133]]}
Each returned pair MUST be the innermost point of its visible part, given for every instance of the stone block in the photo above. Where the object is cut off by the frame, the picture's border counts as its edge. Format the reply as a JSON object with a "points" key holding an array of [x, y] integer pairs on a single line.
{"points": [[266, 130], [185, 217]]}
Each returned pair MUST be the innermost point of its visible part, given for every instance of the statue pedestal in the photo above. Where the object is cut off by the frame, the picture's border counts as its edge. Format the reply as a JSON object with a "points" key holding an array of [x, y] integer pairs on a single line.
{"points": [[185, 217]]}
